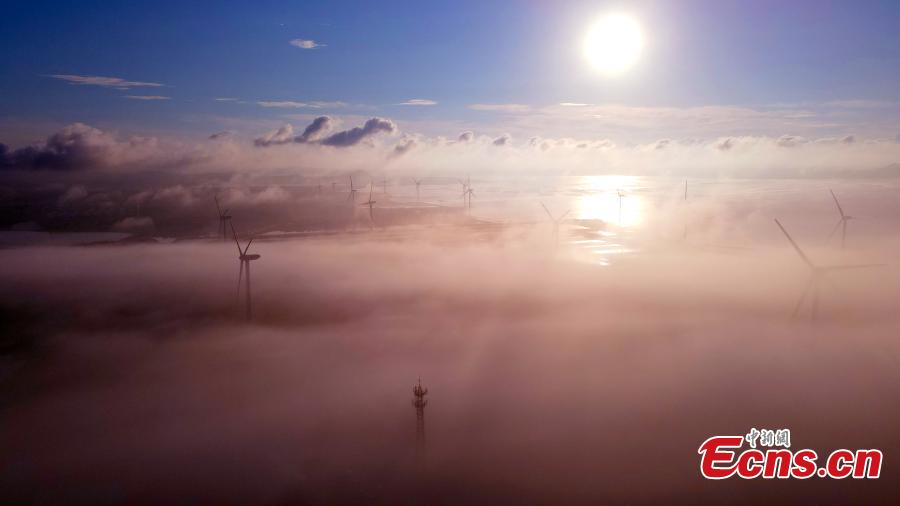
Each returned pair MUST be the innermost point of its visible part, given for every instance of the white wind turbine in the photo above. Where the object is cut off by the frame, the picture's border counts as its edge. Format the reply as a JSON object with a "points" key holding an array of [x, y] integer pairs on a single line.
{"points": [[468, 193], [842, 221], [371, 204], [244, 258], [684, 236], [465, 189], [556, 222], [224, 219], [620, 194], [817, 274]]}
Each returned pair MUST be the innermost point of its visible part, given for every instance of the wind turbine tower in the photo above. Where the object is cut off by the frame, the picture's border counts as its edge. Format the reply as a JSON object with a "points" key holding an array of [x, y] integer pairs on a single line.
{"points": [[244, 259], [684, 236], [842, 222], [620, 194], [418, 183], [224, 219], [352, 196], [556, 222], [371, 204]]}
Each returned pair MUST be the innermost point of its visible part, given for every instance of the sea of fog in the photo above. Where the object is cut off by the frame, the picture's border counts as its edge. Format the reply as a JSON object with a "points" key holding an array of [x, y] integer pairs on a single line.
{"points": [[584, 370]]}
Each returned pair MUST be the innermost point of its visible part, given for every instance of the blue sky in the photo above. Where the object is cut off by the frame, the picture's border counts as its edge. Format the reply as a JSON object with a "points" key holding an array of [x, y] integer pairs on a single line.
{"points": [[374, 55]]}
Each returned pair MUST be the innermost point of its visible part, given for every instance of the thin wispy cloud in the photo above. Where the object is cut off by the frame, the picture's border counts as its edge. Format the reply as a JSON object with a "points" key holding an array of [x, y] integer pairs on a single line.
{"points": [[105, 82], [305, 43], [508, 108], [418, 101], [861, 104], [147, 97], [290, 104], [282, 104], [225, 99], [573, 104]]}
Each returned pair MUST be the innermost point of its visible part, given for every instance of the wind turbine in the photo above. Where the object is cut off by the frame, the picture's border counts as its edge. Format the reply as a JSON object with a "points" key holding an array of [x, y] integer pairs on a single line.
{"points": [[842, 221], [384, 183], [224, 219], [371, 204], [817, 274], [333, 189], [684, 236], [465, 188], [418, 183], [620, 194], [469, 192], [244, 258], [352, 195], [556, 222]]}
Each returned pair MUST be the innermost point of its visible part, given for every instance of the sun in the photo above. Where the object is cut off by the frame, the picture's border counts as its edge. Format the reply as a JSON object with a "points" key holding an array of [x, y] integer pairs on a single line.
{"points": [[613, 44]]}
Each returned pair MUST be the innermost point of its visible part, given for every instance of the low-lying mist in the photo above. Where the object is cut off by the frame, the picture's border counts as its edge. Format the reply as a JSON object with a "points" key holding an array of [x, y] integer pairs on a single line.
{"points": [[130, 374]]}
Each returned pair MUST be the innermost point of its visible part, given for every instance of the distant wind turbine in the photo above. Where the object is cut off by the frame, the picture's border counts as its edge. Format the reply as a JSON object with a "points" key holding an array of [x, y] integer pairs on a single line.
{"points": [[842, 222], [418, 183], [371, 204], [352, 195], [684, 236], [556, 222], [244, 258], [620, 194], [384, 183], [224, 219], [465, 188], [816, 276], [333, 189], [468, 193]]}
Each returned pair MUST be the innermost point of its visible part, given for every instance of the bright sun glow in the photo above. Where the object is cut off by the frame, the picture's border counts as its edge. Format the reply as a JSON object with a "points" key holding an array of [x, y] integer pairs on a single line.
{"points": [[613, 44]]}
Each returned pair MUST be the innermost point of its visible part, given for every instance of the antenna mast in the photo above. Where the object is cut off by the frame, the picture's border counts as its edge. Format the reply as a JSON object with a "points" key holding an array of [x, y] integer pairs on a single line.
{"points": [[419, 402]]}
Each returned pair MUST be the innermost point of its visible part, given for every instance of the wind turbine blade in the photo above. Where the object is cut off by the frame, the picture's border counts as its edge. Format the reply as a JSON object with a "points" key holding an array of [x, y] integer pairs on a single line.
{"points": [[351, 183], [235, 237], [794, 244], [547, 211], [248, 245], [219, 209], [838, 204], [835, 229], [370, 191], [563, 216]]}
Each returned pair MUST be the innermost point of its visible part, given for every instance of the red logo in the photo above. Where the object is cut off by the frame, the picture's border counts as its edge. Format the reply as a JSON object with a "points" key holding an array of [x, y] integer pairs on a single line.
{"points": [[719, 459]]}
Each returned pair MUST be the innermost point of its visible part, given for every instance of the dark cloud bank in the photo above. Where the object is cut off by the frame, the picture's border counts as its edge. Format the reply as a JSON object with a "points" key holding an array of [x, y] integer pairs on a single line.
{"points": [[316, 132]]}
